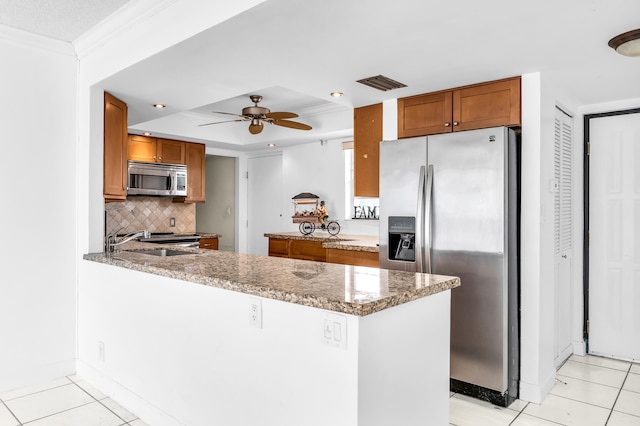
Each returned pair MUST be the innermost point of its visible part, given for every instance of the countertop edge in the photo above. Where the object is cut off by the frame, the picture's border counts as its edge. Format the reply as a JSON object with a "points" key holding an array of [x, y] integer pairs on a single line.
{"points": [[351, 308]]}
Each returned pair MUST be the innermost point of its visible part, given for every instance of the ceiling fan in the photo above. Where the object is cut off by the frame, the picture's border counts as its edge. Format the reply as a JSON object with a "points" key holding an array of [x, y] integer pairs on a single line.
{"points": [[258, 115]]}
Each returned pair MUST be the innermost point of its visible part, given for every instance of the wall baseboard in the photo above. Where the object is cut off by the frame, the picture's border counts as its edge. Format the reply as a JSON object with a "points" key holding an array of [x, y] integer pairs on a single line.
{"points": [[142, 408], [537, 392], [19, 378]]}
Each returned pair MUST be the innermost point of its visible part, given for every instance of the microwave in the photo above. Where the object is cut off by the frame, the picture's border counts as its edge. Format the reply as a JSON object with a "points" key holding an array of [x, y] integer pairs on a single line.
{"points": [[166, 180]]}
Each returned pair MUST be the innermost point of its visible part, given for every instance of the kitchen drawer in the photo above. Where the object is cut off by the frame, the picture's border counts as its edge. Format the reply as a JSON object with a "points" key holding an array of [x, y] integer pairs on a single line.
{"points": [[209, 243], [353, 257]]}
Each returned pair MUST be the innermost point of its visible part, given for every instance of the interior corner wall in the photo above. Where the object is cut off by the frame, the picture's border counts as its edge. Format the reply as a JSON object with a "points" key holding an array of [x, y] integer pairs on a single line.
{"points": [[39, 141], [536, 329]]}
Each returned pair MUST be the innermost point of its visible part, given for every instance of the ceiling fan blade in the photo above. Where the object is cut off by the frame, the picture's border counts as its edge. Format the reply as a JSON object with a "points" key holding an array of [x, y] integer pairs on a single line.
{"points": [[281, 115], [254, 129], [228, 113], [291, 124], [218, 122]]}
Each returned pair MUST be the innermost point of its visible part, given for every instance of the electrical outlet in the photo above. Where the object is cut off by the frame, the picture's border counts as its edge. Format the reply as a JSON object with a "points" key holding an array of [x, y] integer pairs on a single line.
{"points": [[172, 222], [101, 351], [255, 312]]}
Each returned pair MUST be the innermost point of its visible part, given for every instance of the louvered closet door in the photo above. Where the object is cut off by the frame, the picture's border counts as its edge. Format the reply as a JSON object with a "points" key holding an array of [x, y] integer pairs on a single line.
{"points": [[614, 225], [563, 233]]}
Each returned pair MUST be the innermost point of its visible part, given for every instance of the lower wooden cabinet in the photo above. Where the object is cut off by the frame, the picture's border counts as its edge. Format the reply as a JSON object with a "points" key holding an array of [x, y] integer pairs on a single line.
{"points": [[209, 243], [313, 250], [353, 257], [307, 250], [278, 247]]}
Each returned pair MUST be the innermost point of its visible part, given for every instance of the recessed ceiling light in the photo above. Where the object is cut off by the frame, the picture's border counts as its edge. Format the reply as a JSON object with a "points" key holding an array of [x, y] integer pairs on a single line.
{"points": [[159, 106], [627, 44], [337, 94], [271, 145], [146, 134]]}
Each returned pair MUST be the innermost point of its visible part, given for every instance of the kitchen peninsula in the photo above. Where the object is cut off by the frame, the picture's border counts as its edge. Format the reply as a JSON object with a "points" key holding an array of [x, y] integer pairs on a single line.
{"points": [[235, 339]]}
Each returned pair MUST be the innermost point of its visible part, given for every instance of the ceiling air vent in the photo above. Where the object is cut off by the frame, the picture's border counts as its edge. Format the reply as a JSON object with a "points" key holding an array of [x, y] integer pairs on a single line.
{"points": [[381, 82]]}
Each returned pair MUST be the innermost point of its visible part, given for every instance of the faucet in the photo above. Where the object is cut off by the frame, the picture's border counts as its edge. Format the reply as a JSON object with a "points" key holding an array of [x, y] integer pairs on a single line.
{"points": [[112, 239]]}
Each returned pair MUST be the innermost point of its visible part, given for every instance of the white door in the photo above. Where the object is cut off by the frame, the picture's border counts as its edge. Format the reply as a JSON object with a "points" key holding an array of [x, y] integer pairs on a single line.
{"points": [[264, 190], [614, 225], [563, 233]]}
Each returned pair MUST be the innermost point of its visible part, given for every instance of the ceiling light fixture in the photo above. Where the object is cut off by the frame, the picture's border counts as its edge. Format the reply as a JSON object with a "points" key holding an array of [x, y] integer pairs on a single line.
{"points": [[627, 44], [271, 145], [337, 94], [146, 134], [159, 106]]}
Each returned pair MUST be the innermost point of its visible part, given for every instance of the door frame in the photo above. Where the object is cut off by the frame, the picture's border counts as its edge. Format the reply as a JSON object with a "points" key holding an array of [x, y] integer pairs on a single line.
{"points": [[585, 238]]}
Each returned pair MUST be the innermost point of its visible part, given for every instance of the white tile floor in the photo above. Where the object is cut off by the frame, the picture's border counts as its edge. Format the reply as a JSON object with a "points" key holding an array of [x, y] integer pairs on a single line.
{"points": [[69, 401], [589, 391]]}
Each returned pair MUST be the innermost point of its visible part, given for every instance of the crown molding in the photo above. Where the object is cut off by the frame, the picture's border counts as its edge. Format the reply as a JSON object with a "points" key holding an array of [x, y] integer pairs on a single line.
{"points": [[37, 41], [131, 14]]}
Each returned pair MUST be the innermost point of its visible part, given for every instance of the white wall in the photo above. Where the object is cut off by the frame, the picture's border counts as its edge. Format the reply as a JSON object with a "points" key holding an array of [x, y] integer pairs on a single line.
{"points": [[37, 256], [319, 169]]}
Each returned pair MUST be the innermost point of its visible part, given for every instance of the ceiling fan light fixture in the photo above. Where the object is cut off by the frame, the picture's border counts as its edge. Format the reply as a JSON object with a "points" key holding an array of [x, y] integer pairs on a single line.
{"points": [[256, 126], [627, 44]]}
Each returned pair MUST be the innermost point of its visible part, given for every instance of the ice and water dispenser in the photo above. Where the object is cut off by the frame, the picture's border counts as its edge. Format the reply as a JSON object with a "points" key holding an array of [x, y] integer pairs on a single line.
{"points": [[402, 238]]}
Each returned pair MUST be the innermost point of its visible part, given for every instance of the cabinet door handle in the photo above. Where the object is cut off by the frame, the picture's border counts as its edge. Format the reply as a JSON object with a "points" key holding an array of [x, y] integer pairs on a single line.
{"points": [[447, 124], [455, 123], [159, 158], [154, 157]]}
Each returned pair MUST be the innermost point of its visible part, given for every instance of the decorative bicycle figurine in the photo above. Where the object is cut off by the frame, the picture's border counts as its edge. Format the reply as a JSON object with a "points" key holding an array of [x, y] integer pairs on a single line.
{"points": [[331, 226], [312, 216]]}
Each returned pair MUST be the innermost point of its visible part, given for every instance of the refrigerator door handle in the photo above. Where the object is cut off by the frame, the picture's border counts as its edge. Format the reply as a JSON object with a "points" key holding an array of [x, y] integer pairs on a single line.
{"points": [[419, 238], [427, 220]]}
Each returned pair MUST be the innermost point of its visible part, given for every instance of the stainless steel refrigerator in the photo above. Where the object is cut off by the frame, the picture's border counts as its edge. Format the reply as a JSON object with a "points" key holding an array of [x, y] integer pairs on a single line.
{"points": [[449, 204]]}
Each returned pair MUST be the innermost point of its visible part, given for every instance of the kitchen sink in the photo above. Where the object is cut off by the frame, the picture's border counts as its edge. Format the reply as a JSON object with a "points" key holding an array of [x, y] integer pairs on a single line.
{"points": [[163, 252]]}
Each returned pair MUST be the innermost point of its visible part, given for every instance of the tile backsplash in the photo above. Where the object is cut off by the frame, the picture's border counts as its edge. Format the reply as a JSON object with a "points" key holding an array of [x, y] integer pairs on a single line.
{"points": [[152, 213]]}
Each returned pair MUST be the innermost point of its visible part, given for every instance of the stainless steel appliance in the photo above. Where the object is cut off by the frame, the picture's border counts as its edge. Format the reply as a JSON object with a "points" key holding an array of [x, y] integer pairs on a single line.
{"points": [[182, 240], [449, 204], [169, 180]]}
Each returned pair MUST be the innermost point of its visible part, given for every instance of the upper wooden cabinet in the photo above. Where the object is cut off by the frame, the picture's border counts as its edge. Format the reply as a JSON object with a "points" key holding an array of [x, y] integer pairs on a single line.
{"points": [[367, 134], [427, 114], [479, 106], [196, 172], [144, 148], [115, 149]]}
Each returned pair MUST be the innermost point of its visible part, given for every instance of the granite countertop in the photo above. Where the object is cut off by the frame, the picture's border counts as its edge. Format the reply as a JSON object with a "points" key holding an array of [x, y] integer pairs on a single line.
{"points": [[341, 241], [208, 235], [354, 290]]}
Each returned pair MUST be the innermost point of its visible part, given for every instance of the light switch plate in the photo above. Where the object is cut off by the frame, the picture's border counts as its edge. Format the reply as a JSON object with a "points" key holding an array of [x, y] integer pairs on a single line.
{"points": [[334, 330]]}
